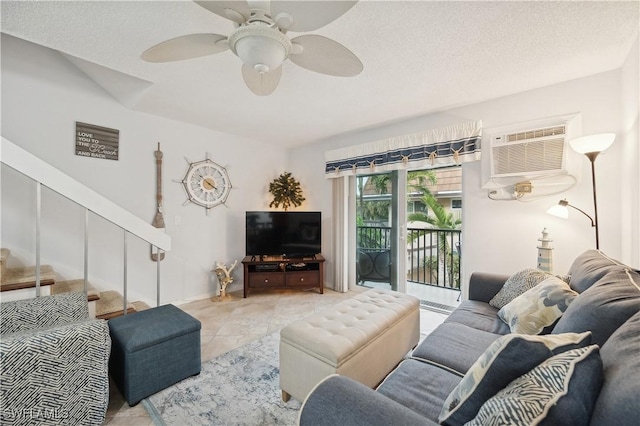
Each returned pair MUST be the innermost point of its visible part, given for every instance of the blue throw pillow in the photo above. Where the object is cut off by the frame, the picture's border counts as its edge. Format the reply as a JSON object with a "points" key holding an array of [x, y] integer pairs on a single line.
{"points": [[589, 267], [618, 402], [507, 358], [604, 306], [560, 391]]}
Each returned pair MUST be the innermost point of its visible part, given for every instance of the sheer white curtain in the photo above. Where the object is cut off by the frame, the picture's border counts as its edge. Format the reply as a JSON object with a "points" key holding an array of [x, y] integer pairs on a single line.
{"points": [[343, 240]]}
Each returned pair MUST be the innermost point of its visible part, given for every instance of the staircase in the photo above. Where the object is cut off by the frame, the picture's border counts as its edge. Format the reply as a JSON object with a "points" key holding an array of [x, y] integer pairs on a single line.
{"points": [[22, 277], [19, 282]]}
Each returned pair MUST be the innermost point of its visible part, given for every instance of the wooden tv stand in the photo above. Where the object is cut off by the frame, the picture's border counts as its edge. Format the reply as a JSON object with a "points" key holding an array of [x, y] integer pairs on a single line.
{"points": [[276, 272]]}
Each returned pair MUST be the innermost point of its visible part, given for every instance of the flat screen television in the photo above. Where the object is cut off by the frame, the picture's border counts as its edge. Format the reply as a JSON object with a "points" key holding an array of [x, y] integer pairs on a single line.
{"points": [[289, 234]]}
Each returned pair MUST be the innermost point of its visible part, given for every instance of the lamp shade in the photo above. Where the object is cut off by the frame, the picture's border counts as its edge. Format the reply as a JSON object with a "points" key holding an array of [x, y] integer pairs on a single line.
{"points": [[559, 210], [592, 143]]}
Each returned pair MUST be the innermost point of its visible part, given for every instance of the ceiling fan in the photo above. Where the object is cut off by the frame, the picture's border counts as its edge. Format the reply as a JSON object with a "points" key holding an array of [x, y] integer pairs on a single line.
{"points": [[261, 43]]}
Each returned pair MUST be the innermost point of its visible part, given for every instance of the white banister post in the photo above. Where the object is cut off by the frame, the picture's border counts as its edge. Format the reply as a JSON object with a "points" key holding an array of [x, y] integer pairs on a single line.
{"points": [[86, 250], [38, 224], [158, 277], [124, 292]]}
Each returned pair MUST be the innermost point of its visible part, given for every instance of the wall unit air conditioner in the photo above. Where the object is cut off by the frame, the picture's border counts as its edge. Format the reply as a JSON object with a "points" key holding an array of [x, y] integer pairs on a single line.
{"points": [[530, 153]]}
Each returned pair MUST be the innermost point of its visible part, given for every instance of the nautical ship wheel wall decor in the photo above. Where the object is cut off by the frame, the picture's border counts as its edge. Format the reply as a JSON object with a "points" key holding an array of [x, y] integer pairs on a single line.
{"points": [[206, 183]]}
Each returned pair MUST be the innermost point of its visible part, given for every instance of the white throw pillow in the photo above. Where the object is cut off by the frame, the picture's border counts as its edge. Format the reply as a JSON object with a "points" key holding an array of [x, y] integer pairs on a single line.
{"points": [[538, 307]]}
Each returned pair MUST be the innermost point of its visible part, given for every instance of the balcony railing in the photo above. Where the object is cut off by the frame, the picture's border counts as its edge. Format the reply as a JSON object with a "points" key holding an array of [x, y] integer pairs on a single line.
{"points": [[433, 255]]}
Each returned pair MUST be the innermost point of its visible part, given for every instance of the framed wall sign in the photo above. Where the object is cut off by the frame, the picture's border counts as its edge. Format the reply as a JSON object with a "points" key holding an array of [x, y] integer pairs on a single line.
{"points": [[96, 141]]}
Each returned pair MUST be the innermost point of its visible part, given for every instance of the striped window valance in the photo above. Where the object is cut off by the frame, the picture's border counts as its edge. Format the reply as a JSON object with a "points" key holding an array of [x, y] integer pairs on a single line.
{"points": [[430, 149]]}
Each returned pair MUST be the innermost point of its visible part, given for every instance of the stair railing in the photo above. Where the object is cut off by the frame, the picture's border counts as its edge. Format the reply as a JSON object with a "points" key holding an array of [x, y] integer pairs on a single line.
{"points": [[45, 174]]}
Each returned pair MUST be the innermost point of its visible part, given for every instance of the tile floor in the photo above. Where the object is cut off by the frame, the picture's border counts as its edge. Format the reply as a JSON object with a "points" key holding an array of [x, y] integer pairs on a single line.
{"points": [[229, 324]]}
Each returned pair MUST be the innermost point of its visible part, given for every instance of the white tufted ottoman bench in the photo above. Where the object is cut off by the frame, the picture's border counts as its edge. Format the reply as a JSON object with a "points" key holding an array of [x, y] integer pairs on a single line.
{"points": [[363, 338]]}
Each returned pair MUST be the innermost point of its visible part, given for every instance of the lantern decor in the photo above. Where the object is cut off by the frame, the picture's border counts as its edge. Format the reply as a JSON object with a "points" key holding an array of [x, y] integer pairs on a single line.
{"points": [[286, 191], [545, 252], [224, 279]]}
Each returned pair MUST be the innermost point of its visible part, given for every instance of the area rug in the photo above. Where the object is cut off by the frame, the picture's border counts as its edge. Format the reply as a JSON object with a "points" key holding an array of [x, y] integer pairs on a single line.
{"points": [[240, 387]]}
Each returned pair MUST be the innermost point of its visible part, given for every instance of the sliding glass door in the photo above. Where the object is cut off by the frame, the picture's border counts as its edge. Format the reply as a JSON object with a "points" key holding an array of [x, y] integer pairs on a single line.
{"points": [[408, 232], [380, 226]]}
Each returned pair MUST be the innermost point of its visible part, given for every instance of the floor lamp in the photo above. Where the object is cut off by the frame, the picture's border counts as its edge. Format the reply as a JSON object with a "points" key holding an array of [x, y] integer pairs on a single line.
{"points": [[590, 146]]}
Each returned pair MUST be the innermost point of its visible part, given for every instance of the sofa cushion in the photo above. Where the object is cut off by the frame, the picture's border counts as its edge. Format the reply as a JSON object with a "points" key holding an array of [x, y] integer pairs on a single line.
{"points": [[559, 391], [339, 400], [589, 267], [539, 307], [420, 386], [454, 345], [478, 315], [603, 307], [618, 402], [506, 359], [517, 284]]}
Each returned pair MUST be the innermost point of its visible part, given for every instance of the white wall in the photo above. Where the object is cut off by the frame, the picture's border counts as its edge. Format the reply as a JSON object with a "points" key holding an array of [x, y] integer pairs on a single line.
{"points": [[502, 236], [43, 95], [630, 205]]}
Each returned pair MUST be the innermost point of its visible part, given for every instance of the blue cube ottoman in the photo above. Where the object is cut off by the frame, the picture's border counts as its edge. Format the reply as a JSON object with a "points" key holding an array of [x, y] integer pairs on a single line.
{"points": [[153, 349]]}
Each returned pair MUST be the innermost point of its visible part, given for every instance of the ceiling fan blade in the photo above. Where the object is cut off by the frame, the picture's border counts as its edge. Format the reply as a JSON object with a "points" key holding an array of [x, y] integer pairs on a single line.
{"points": [[261, 84], [310, 15], [186, 47], [323, 55], [237, 11]]}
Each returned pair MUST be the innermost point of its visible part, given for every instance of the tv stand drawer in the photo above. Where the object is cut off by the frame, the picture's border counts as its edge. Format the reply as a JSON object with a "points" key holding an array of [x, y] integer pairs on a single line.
{"points": [[266, 279], [278, 273], [302, 278]]}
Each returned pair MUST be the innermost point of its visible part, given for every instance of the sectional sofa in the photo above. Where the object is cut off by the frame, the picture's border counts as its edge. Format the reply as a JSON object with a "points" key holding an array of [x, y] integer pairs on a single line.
{"points": [[530, 348]]}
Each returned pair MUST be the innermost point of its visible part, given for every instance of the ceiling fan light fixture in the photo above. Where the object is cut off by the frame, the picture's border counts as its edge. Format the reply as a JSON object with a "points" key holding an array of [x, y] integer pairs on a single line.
{"points": [[260, 47], [263, 54]]}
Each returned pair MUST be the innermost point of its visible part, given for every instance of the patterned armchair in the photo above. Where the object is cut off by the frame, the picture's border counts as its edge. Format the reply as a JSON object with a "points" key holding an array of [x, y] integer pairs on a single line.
{"points": [[53, 362]]}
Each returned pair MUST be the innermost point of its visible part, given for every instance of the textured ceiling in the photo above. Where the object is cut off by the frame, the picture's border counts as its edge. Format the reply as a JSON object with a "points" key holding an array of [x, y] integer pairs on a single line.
{"points": [[419, 57]]}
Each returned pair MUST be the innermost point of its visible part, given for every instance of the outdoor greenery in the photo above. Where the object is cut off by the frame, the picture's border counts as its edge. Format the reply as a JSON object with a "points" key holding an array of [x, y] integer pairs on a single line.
{"points": [[373, 210], [378, 210], [373, 237], [441, 220], [439, 217]]}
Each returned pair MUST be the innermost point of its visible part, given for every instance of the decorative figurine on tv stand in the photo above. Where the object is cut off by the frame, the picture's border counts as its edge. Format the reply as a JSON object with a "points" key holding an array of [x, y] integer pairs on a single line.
{"points": [[224, 279]]}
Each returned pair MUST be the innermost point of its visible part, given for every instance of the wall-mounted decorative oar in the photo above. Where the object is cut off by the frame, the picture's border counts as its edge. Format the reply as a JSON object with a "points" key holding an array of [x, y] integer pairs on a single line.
{"points": [[158, 220]]}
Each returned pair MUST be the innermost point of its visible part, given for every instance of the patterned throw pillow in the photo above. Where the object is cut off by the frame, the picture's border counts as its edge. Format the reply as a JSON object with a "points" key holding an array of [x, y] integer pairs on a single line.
{"points": [[560, 391], [538, 308], [517, 284], [507, 358]]}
